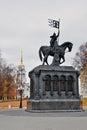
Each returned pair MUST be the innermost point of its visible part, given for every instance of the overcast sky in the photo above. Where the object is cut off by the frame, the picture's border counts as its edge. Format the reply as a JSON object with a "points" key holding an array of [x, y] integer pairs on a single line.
{"points": [[24, 25]]}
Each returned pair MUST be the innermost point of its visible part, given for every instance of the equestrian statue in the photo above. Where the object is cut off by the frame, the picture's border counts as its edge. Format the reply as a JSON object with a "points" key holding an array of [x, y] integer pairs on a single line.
{"points": [[55, 50]]}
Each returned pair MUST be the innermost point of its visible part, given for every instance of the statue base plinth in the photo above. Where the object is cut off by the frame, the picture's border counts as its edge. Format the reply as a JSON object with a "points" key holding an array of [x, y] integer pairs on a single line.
{"points": [[54, 88], [57, 104]]}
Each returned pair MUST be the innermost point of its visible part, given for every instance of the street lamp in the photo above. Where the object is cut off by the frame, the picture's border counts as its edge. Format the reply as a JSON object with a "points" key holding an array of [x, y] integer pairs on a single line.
{"points": [[20, 89]]}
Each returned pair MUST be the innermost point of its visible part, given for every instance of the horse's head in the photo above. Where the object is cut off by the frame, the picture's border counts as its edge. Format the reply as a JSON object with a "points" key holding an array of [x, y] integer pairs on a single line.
{"points": [[68, 45]]}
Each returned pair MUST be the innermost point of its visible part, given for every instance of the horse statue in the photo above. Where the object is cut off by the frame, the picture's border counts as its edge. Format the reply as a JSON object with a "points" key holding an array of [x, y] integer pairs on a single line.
{"points": [[58, 52]]}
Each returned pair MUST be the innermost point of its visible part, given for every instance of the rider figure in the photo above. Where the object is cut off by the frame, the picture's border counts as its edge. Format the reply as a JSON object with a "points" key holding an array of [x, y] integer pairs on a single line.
{"points": [[54, 48], [54, 40]]}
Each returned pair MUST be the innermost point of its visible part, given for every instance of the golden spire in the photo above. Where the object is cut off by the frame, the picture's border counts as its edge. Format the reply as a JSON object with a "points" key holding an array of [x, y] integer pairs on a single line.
{"points": [[21, 60]]}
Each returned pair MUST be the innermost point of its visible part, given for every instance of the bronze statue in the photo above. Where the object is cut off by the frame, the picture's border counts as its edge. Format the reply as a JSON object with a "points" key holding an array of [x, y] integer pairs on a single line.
{"points": [[58, 53], [55, 50]]}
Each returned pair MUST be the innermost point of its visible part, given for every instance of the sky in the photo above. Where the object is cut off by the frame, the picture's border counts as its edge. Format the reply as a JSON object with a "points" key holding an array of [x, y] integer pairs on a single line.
{"points": [[24, 25]]}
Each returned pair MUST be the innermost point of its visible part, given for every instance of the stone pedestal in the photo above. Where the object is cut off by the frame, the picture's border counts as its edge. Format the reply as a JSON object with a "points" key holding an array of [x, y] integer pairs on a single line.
{"points": [[55, 104], [54, 88]]}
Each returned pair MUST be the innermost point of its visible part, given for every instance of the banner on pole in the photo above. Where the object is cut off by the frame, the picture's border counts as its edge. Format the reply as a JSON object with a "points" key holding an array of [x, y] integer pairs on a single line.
{"points": [[54, 23]]}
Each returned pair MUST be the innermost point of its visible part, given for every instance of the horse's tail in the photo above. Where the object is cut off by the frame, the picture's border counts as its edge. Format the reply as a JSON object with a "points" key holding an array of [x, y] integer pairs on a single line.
{"points": [[40, 55]]}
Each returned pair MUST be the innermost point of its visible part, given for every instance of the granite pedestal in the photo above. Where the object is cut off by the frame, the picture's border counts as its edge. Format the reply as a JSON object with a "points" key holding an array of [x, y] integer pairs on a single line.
{"points": [[54, 88]]}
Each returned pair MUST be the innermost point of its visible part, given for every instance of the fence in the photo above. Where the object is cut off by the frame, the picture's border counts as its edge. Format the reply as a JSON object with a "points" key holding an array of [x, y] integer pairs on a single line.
{"points": [[12, 104]]}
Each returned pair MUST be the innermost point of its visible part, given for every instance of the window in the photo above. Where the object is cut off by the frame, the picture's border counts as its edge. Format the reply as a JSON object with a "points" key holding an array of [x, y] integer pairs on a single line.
{"points": [[62, 83], [55, 83], [32, 85], [47, 83], [70, 83]]}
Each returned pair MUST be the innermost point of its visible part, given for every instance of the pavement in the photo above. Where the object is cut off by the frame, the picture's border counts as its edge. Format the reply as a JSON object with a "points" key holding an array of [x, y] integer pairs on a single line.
{"points": [[19, 119]]}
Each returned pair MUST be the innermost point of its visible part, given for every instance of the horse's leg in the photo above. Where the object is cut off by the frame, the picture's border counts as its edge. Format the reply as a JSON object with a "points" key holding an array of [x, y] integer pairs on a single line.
{"points": [[43, 63], [63, 59], [45, 59]]}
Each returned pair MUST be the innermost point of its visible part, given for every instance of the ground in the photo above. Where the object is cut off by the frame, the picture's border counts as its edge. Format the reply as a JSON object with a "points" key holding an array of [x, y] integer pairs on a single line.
{"points": [[19, 119]]}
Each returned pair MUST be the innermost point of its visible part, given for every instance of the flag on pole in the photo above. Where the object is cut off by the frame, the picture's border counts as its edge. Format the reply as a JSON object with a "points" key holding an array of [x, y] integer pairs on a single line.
{"points": [[53, 23]]}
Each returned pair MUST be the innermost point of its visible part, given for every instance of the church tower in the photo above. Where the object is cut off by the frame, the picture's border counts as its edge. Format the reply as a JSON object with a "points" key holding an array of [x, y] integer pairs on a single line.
{"points": [[21, 71], [21, 77]]}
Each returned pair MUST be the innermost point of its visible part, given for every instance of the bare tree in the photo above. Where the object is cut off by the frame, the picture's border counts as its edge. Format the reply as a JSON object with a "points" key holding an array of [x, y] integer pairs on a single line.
{"points": [[80, 62], [7, 80]]}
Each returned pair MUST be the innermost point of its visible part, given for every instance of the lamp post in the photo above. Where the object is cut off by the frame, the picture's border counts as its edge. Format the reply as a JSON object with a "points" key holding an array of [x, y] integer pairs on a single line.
{"points": [[20, 89]]}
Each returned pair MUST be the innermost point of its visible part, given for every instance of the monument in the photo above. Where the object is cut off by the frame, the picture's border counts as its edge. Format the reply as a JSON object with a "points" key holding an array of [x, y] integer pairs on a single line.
{"points": [[54, 87]]}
